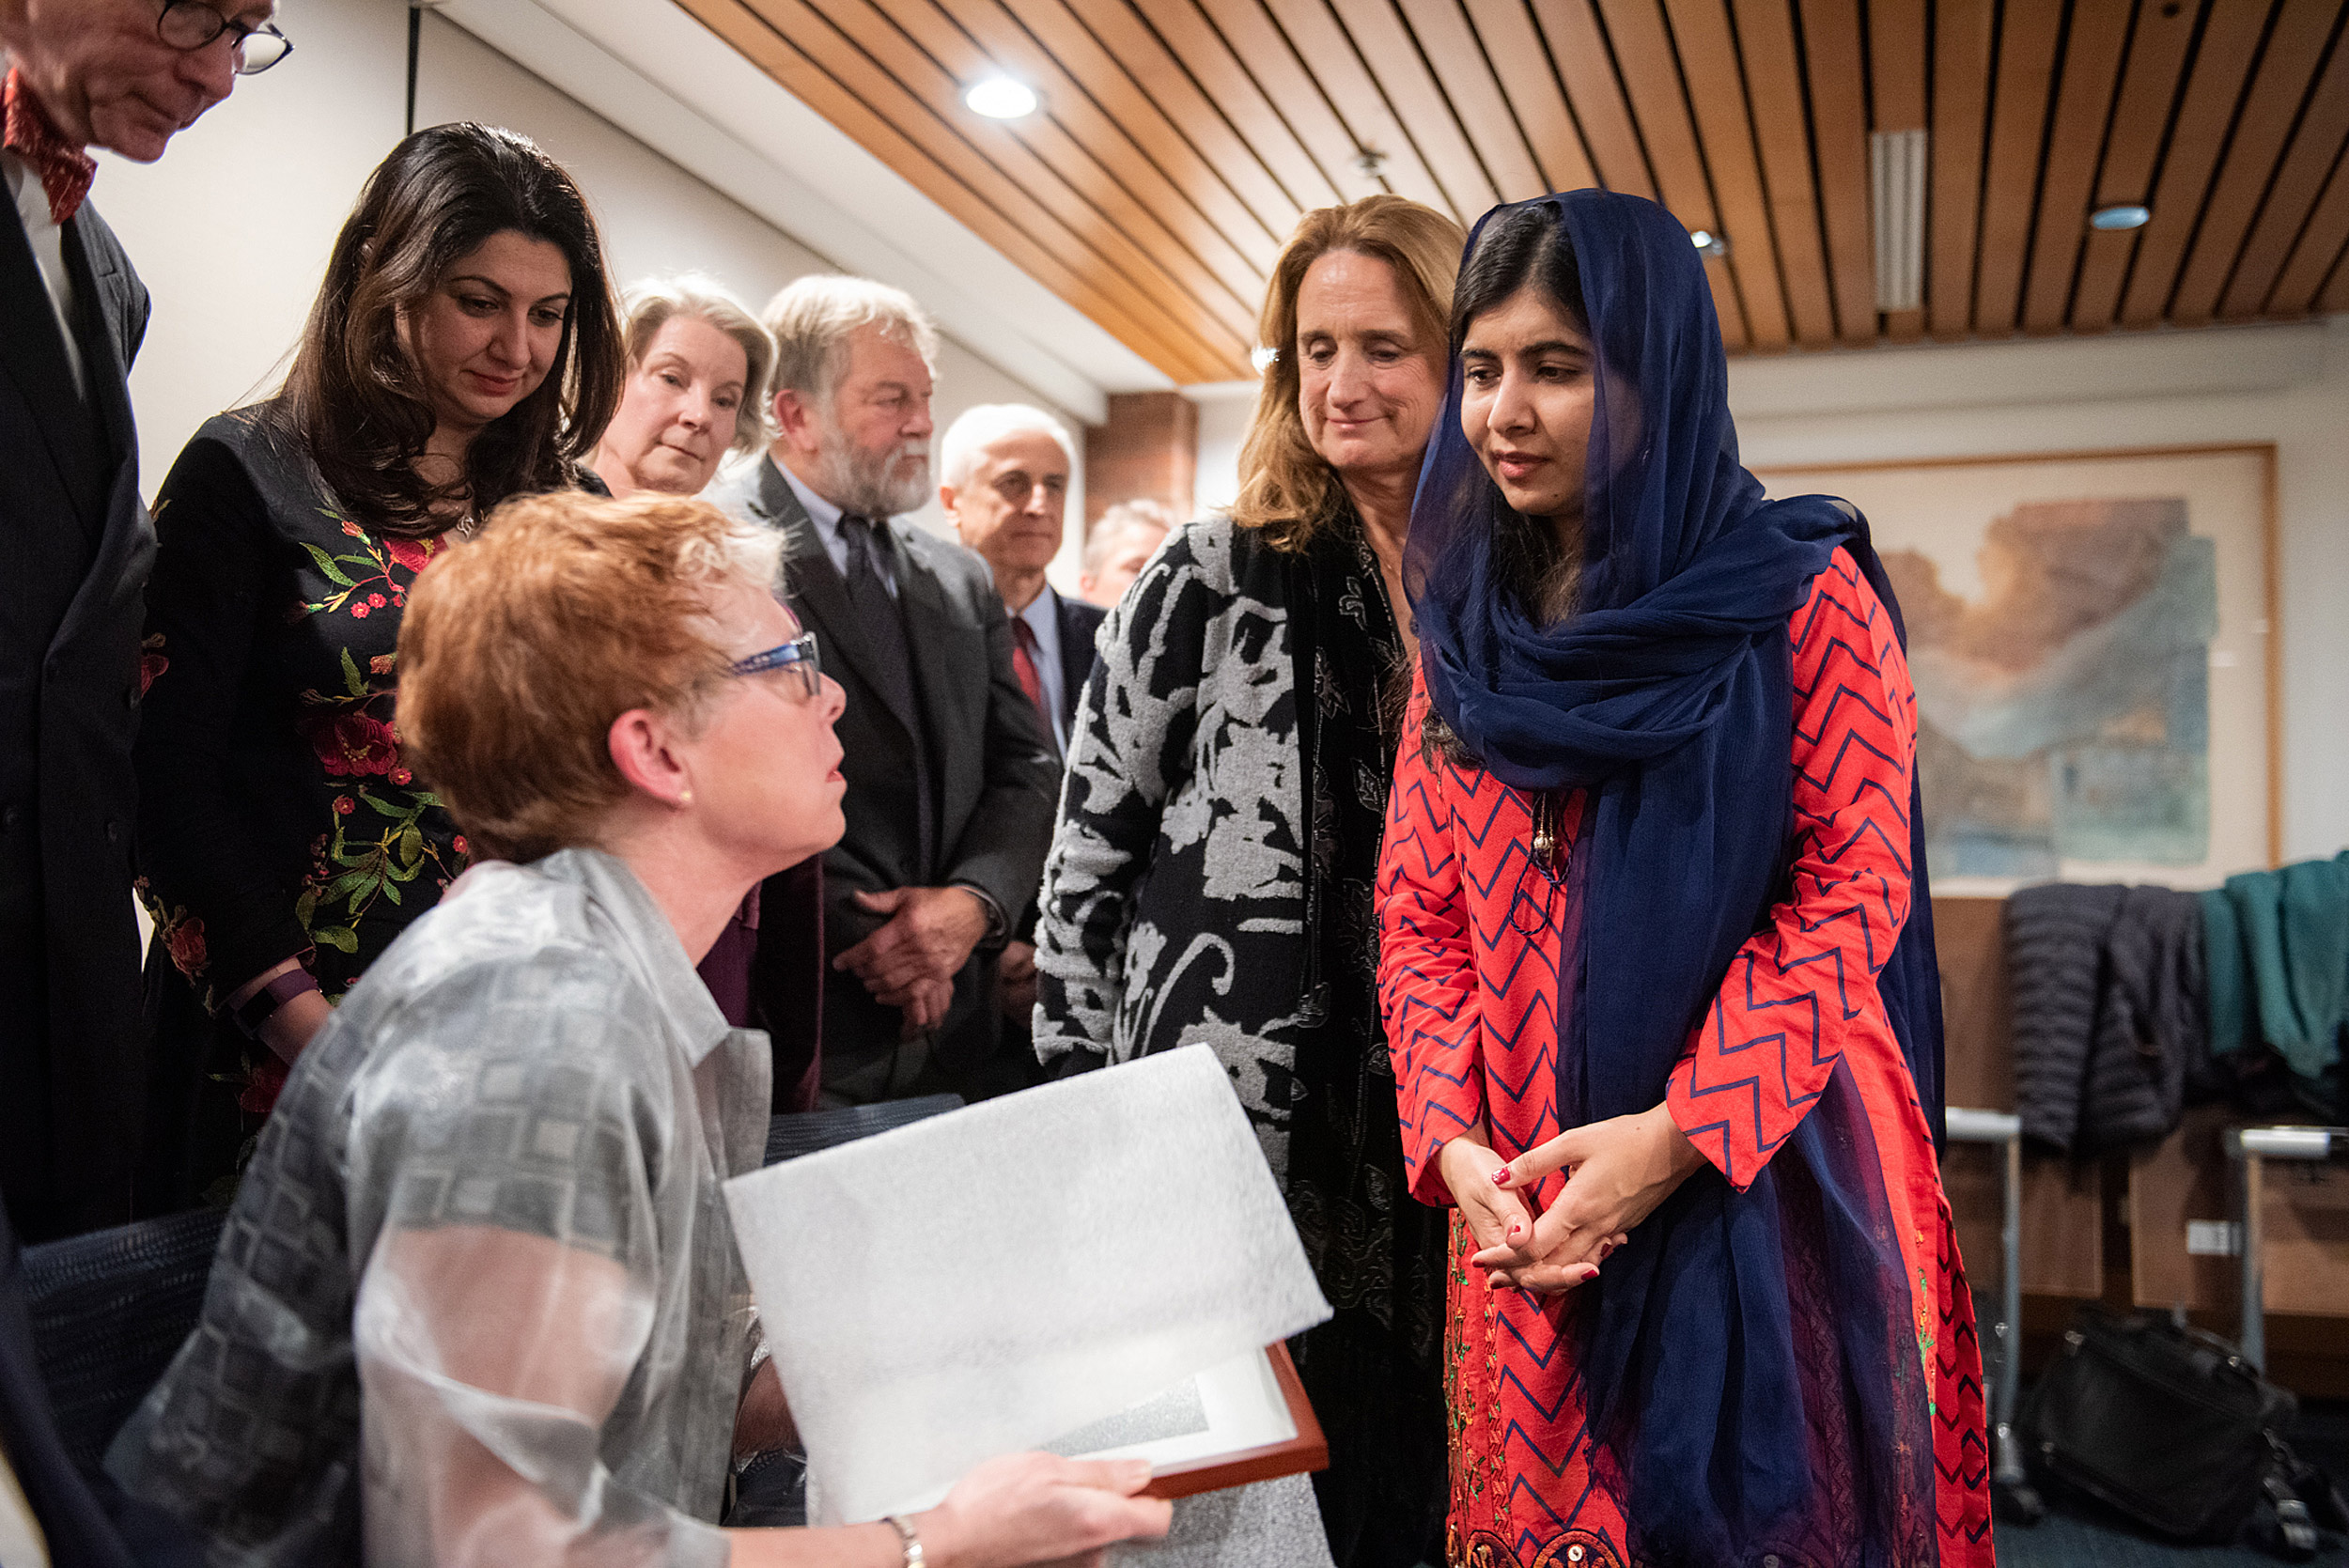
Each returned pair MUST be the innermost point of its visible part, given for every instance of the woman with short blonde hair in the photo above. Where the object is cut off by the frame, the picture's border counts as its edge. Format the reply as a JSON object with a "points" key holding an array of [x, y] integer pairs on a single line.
{"points": [[478, 1299], [1210, 880], [698, 364]]}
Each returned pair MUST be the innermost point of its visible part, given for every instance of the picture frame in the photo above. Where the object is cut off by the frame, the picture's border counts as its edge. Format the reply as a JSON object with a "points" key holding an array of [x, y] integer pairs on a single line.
{"points": [[2094, 642], [1273, 1433]]}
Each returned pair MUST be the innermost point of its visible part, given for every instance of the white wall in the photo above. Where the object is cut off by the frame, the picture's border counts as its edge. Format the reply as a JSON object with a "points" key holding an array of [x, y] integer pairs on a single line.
{"points": [[231, 229], [1225, 410]]}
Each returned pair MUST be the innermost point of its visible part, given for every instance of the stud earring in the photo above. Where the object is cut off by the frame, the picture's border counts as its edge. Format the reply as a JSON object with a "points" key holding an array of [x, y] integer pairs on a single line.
{"points": [[685, 798]]}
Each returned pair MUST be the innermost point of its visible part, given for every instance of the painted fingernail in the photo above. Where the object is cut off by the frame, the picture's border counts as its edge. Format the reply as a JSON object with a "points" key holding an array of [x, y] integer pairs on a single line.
{"points": [[1501, 1177], [1516, 1230]]}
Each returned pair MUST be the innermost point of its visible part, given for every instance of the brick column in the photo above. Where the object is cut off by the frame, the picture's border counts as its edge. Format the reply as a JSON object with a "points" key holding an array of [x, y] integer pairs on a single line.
{"points": [[1147, 451]]}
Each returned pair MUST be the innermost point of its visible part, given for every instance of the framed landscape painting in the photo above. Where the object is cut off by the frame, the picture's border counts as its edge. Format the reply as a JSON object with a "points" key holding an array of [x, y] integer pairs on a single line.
{"points": [[2091, 638]]}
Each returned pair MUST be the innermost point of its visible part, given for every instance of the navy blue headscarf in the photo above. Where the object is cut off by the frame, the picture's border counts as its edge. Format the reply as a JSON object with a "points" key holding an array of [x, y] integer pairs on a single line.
{"points": [[1666, 696]]}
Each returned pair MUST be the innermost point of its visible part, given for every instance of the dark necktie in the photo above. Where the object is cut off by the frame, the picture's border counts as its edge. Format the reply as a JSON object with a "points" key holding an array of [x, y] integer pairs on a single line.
{"points": [[1023, 663], [882, 622]]}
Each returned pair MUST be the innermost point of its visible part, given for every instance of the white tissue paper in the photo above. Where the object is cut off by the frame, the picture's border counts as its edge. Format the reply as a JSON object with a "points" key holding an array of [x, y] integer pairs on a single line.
{"points": [[992, 1280]]}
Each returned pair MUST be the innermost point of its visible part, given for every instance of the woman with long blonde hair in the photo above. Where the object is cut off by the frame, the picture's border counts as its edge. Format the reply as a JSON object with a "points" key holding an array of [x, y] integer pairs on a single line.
{"points": [[1211, 876]]}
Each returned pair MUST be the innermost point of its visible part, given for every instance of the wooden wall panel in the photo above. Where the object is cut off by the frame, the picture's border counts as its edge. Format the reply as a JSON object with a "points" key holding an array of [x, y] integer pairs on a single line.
{"points": [[2231, 40], [1152, 68], [1077, 165], [1313, 171], [2314, 152], [1964, 31], [1830, 32], [1505, 29], [1716, 94], [1898, 32], [2076, 142], [2269, 110], [1387, 48], [1469, 85], [2018, 118], [1109, 113], [2140, 121], [1346, 79], [953, 176], [2319, 247], [1651, 76], [1180, 140], [1577, 47], [2063, 1199], [1766, 35]]}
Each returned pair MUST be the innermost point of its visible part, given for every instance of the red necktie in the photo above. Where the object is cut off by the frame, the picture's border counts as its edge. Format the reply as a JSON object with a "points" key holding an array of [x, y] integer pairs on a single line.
{"points": [[65, 171], [1023, 664]]}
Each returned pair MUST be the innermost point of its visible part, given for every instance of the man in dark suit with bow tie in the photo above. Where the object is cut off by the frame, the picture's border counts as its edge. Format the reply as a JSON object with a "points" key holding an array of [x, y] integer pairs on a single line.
{"points": [[74, 550], [1002, 471], [950, 768]]}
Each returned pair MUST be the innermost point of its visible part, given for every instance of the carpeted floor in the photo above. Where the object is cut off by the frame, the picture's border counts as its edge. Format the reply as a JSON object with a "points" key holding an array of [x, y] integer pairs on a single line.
{"points": [[2080, 1533]]}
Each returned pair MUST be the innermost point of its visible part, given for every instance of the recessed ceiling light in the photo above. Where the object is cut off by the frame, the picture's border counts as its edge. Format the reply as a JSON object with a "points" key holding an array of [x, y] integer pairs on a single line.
{"points": [[1000, 98], [2125, 216], [1709, 245]]}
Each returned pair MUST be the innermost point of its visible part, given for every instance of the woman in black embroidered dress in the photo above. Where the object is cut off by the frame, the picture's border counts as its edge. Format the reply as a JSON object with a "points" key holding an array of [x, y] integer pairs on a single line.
{"points": [[1211, 881], [465, 348]]}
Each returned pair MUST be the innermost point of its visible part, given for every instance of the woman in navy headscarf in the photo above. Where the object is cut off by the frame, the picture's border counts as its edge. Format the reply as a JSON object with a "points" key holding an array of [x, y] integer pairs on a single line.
{"points": [[1654, 913]]}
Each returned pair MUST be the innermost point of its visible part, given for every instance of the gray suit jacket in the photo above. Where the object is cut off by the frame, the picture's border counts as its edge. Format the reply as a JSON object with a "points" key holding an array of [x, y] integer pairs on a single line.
{"points": [[995, 781]]}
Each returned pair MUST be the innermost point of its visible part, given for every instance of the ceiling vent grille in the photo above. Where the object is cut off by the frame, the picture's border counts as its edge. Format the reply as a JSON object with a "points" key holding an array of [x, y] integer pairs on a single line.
{"points": [[1897, 161]]}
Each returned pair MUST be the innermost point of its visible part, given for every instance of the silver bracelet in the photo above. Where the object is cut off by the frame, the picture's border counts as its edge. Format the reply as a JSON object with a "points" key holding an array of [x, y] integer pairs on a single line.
{"points": [[903, 1527]]}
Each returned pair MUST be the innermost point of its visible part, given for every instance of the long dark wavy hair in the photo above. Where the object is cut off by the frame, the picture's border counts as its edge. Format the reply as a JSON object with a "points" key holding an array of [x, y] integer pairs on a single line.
{"points": [[356, 399]]}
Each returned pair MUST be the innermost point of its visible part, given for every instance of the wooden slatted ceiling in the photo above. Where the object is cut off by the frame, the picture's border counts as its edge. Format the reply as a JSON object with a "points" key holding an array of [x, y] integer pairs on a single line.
{"points": [[1180, 140]]}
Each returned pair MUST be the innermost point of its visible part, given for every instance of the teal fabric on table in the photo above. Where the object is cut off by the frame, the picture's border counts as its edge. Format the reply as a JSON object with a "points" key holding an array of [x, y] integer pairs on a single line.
{"points": [[2279, 962]]}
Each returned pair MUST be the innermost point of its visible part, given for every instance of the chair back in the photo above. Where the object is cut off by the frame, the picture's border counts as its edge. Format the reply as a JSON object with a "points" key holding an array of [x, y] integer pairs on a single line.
{"points": [[109, 1311], [804, 1132]]}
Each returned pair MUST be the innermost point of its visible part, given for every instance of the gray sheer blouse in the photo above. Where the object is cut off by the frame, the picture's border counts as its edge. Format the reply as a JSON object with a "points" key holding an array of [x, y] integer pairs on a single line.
{"points": [[478, 1289]]}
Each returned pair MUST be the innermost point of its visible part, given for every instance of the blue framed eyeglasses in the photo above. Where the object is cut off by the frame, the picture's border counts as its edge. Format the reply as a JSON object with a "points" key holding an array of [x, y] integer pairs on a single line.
{"points": [[798, 656]]}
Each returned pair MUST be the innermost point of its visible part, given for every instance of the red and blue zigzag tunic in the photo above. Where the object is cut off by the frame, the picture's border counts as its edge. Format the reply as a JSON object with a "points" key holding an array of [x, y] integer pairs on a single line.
{"points": [[1471, 1005]]}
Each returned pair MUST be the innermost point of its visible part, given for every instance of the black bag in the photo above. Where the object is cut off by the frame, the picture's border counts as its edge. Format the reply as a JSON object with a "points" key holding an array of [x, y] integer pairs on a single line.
{"points": [[2172, 1426]]}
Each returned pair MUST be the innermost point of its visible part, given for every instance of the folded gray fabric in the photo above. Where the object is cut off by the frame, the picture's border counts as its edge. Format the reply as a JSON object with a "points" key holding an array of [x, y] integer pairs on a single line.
{"points": [[2150, 1018], [2055, 937], [1273, 1524]]}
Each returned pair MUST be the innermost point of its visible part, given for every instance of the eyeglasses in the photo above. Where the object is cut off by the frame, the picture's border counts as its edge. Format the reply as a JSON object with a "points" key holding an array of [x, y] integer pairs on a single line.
{"points": [[798, 656], [191, 24]]}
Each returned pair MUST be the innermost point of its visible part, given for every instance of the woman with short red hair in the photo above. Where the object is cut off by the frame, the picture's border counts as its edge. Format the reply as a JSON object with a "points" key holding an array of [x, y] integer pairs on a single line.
{"points": [[480, 1300]]}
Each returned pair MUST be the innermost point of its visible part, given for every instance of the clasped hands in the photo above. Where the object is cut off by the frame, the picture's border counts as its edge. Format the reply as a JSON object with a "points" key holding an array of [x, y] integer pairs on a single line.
{"points": [[1618, 1171], [911, 961]]}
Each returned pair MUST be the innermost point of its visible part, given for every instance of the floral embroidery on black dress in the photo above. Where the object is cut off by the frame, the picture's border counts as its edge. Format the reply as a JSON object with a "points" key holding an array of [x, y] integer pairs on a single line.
{"points": [[278, 818]]}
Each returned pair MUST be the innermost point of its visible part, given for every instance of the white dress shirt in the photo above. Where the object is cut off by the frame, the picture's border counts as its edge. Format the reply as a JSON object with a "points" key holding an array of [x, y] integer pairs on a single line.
{"points": [[47, 237], [826, 517]]}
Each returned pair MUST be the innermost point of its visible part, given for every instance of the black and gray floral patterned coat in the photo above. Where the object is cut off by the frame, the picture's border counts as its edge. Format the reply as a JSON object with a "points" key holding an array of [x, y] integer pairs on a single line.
{"points": [[1209, 883]]}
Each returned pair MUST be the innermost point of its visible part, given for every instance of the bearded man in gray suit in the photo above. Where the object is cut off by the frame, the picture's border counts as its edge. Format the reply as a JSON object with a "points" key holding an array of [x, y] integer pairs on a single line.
{"points": [[951, 774]]}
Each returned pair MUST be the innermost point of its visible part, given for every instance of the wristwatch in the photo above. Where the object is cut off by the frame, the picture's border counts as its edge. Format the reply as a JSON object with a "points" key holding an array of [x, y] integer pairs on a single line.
{"points": [[255, 1010], [903, 1527]]}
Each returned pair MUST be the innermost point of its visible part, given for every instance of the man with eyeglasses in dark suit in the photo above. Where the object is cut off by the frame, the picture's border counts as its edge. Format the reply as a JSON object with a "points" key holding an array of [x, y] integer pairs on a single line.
{"points": [[74, 547], [74, 550]]}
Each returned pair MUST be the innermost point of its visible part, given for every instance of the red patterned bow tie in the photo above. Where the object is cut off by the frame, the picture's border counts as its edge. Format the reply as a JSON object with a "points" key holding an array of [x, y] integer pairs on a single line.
{"points": [[65, 171]]}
